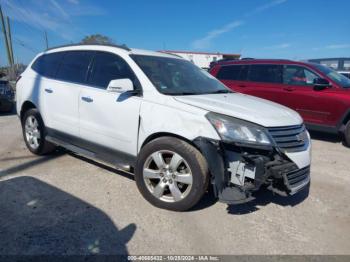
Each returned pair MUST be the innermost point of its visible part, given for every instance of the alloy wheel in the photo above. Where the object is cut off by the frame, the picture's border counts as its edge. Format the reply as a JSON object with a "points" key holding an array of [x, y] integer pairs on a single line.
{"points": [[32, 132], [167, 176]]}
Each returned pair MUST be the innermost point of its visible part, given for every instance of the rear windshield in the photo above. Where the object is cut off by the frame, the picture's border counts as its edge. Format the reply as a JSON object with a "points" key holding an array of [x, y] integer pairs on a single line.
{"points": [[335, 76]]}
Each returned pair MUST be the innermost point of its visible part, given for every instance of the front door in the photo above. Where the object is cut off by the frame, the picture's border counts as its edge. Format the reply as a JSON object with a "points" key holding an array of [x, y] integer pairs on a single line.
{"points": [[109, 119], [314, 106]]}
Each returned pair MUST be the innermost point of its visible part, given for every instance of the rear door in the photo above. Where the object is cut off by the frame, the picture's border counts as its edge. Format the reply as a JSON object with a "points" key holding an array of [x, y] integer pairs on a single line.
{"points": [[109, 119], [316, 107], [234, 76], [44, 84], [61, 94], [265, 81]]}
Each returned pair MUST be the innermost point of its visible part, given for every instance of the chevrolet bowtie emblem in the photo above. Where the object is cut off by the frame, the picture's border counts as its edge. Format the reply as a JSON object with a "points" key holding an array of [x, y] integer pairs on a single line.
{"points": [[301, 137]]}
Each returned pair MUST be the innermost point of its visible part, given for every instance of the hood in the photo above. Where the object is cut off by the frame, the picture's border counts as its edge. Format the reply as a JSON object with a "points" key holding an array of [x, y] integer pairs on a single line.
{"points": [[245, 107]]}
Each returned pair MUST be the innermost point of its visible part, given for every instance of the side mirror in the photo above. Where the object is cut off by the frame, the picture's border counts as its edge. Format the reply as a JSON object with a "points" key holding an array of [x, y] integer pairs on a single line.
{"points": [[321, 84], [120, 85]]}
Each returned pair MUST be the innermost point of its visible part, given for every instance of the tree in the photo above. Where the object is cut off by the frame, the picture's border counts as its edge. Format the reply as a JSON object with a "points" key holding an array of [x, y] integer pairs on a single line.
{"points": [[96, 39]]}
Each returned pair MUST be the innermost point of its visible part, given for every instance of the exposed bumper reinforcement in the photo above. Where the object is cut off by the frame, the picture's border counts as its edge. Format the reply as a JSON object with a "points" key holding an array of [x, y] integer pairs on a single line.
{"points": [[270, 168]]}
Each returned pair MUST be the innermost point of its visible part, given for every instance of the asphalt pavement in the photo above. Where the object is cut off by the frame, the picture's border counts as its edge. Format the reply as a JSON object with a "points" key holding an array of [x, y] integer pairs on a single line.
{"points": [[64, 204]]}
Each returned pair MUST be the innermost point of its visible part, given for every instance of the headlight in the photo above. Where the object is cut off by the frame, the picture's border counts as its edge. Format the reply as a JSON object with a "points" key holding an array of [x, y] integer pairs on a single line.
{"points": [[235, 130]]}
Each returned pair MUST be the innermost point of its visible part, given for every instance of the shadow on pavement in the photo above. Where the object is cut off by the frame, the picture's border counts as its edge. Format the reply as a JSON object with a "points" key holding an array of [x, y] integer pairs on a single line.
{"points": [[39, 219], [29, 164], [206, 201], [264, 197], [5, 159]]}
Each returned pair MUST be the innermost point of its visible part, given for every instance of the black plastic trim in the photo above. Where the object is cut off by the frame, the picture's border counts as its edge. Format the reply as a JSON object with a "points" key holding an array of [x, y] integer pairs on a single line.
{"points": [[103, 153]]}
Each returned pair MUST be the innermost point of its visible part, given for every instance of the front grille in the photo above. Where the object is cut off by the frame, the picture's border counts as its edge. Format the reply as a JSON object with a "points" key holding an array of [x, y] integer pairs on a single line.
{"points": [[290, 138]]}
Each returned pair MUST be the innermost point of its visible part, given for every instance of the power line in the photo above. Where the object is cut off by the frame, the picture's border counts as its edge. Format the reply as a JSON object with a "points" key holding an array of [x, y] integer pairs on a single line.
{"points": [[24, 23], [20, 42]]}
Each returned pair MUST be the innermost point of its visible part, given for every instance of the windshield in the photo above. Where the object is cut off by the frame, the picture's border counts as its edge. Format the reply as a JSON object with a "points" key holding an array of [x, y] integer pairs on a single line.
{"points": [[173, 76], [335, 76]]}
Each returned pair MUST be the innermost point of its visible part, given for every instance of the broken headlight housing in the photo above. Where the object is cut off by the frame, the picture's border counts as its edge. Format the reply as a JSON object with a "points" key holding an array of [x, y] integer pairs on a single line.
{"points": [[235, 130]]}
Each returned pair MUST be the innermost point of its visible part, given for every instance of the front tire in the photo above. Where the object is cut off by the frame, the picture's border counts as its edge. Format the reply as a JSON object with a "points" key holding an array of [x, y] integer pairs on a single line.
{"points": [[347, 134], [34, 133], [171, 174]]}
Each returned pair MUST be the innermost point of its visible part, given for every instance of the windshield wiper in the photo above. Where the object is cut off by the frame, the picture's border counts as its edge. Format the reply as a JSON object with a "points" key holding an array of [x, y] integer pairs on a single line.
{"points": [[195, 93], [224, 91], [182, 93]]}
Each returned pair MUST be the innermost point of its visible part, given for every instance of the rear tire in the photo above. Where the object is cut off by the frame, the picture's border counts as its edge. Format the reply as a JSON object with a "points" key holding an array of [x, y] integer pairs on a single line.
{"points": [[34, 133], [171, 174], [347, 134]]}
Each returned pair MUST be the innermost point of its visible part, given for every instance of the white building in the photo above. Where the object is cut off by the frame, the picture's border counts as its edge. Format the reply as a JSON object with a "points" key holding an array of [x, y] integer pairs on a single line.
{"points": [[202, 59]]}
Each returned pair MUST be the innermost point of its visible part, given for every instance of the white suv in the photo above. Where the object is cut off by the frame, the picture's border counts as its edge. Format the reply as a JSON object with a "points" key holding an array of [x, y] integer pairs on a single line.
{"points": [[176, 126]]}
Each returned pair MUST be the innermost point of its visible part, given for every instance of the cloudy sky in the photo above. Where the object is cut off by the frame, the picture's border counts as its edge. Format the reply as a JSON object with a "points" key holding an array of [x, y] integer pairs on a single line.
{"points": [[294, 29]]}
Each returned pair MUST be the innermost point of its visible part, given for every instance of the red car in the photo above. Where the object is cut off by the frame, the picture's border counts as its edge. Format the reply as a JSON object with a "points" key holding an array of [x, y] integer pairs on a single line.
{"points": [[318, 93]]}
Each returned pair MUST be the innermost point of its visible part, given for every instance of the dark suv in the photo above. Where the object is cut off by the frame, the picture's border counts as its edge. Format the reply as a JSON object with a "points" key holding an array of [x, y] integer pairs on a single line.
{"points": [[6, 96], [318, 93]]}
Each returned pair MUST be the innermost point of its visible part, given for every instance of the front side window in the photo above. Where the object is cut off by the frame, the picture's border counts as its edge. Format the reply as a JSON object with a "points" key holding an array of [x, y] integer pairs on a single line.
{"points": [[233, 72], [107, 67], [298, 75], [265, 73], [47, 65], [173, 76], [74, 66]]}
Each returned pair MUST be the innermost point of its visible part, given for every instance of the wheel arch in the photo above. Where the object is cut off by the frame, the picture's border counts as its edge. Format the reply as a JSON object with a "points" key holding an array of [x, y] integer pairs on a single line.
{"points": [[346, 117], [164, 134], [25, 107]]}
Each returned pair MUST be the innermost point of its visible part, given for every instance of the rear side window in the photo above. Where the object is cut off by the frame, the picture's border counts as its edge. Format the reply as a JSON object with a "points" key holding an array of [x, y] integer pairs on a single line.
{"points": [[107, 67], [265, 73], [47, 65], [233, 72], [74, 66]]}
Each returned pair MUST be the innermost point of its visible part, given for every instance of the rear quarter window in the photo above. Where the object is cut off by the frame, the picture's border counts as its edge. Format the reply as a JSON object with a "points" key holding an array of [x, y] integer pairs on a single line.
{"points": [[233, 72], [47, 65]]}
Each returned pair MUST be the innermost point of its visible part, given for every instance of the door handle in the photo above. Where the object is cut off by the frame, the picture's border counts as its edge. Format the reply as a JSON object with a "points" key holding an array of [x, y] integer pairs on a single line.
{"points": [[242, 86], [87, 99], [288, 89], [48, 90]]}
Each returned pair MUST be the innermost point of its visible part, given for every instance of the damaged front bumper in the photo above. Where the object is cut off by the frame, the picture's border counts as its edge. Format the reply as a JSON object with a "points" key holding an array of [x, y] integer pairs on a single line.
{"points": [[237, 171]]}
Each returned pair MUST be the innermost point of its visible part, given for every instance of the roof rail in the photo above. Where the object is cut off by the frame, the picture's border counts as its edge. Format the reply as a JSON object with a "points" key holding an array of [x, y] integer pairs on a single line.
{"points": [[111, 45], [263, 59], [164, 52]]}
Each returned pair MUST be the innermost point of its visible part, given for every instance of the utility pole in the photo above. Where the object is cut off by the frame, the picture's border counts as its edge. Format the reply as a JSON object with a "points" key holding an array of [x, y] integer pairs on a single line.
{"points": [[9, 39], [46, 40], [5, 37]]}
